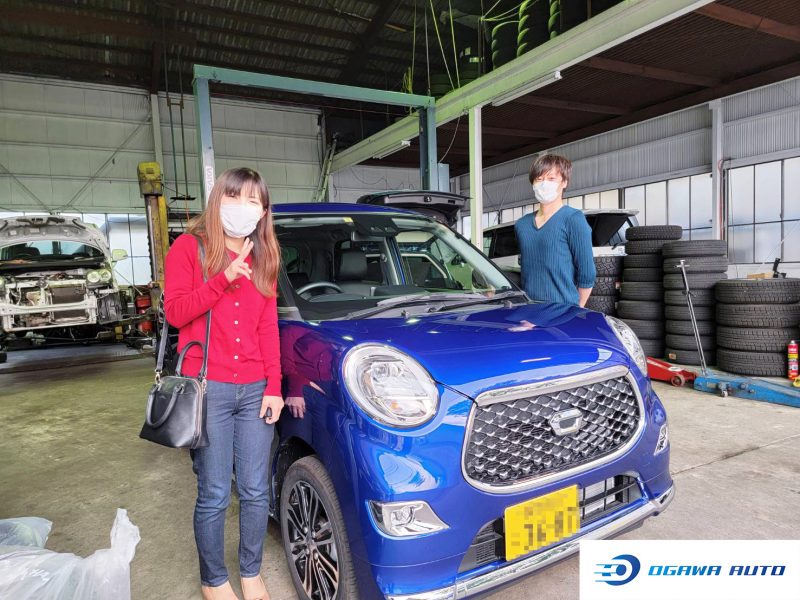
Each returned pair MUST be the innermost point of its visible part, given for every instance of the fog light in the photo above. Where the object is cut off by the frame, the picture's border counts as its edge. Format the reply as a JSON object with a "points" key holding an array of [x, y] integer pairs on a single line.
{"points": [[663, 440], [403, 519]]}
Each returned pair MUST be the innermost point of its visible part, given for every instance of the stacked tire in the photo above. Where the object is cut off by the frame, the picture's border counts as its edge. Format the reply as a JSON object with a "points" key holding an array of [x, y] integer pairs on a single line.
{"points": [[605, 292], [706, 263], [756, 319], [641, 303]]}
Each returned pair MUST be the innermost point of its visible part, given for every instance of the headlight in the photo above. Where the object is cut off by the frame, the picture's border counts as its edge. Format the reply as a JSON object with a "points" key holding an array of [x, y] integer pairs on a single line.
{"points": [[93, 277], [630, 341], [390, 386], [105, 275]]}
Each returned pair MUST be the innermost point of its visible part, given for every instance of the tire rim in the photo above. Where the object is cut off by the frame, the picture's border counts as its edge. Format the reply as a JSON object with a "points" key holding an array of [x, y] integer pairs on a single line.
{"points": [[311, 543]]}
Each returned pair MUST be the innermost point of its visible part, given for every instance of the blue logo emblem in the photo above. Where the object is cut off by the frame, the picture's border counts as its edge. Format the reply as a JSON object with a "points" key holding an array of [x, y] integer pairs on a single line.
{"points": [[623, 569]]}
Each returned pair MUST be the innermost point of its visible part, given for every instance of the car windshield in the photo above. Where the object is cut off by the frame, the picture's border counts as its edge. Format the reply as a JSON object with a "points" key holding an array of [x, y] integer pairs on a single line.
{"points": [[49, 250], [364, 264]]}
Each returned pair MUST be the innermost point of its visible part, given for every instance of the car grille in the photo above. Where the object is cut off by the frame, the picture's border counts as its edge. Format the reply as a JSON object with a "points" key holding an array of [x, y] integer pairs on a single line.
{"points": [[512, 442], [595, 502]]}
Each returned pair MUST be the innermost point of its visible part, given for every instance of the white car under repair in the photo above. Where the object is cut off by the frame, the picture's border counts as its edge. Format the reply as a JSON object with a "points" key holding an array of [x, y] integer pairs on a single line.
{"points": [[55, 272]]}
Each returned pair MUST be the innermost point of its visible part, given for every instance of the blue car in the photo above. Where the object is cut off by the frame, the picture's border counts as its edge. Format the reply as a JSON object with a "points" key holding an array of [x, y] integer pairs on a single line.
{"points": [[443, 434]]}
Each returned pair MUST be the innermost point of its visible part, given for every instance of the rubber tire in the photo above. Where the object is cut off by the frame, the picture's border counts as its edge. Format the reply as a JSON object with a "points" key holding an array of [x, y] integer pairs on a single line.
{"points": [[689, 357], [697, 281], [699, 298], [641, 290], [685, 327], [642, 275], [687, 342], [644, 246], [763, 364], [3, 356], [654, 232], [638, 309], [756, 340], [605, 286], [312, 471], [698, 264], [608, 266], [643, 261], [774, 316], [686, 248], [759, 291], [646, 330], [681, 313], [653, 348], [603, 304]]}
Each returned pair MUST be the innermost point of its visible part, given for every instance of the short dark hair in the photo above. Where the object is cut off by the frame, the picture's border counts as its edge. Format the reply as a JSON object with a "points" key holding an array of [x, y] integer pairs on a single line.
{"points": [[550, 161]]}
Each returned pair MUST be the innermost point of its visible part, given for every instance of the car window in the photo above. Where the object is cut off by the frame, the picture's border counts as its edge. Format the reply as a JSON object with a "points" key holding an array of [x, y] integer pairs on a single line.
{"points": [[487, 244], [49, 250], [505, 243], [337, 265]]}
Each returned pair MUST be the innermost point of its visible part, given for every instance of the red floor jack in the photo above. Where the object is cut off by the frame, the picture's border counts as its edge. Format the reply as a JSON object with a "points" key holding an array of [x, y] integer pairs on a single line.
{"points": [[664, 371]]}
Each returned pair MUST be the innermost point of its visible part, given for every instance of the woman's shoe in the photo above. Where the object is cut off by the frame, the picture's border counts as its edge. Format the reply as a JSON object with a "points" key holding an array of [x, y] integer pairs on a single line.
{"points": [[253, 588], [220, 592]]}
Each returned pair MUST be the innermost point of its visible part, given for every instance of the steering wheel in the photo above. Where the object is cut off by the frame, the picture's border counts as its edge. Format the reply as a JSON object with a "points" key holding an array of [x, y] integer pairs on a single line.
{"points": [[317, 285]]}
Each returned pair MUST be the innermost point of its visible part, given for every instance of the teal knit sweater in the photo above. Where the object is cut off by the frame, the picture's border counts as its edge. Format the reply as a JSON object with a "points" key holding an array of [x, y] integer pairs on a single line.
{"points": [[557, 259]]}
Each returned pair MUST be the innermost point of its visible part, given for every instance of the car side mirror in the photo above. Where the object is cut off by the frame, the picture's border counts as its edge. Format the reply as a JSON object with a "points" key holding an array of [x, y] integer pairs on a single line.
{"points": [[118, 255], [519, 259]]}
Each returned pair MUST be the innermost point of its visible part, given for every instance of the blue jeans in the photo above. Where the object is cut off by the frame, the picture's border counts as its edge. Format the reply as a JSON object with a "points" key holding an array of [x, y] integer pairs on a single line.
{"points": [[236, 437]]}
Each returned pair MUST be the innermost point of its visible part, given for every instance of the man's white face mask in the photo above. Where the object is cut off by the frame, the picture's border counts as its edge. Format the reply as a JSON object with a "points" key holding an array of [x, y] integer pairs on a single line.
{"points": [[546, 191], [240, 220]]}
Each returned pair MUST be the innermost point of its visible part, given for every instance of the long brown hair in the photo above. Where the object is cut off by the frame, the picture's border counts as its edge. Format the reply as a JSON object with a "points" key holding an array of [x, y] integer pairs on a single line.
{"points": [[266, 254]]}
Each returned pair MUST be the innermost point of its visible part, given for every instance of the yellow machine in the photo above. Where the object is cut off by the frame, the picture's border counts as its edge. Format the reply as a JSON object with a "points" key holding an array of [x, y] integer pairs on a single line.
{"points": [[151, 186]]}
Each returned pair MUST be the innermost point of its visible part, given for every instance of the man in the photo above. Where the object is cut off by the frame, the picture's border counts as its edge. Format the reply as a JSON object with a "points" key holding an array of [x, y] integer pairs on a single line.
{"points": [[555, 241]]}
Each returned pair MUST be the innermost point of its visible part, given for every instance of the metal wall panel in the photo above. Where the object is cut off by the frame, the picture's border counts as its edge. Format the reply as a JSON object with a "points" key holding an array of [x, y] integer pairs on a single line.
{"points": [[67, 145], [346, 185]]}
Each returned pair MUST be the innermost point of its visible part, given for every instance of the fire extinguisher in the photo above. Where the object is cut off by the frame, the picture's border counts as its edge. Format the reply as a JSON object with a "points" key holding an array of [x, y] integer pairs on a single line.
{"points": [[143, 304], [792, 360]]}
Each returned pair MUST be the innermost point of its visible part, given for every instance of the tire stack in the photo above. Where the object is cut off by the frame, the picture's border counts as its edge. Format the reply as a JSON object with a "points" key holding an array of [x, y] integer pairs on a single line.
{"points": [[642, 293], [605, 292], [756, 319], [706, 263]]}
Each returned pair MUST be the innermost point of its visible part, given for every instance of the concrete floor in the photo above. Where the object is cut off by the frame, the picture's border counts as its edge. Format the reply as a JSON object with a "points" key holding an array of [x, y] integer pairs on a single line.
{"points": [[70, 452]]}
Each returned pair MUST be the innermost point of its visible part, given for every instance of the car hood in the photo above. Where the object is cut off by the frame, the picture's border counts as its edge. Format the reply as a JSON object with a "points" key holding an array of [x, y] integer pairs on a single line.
{"points": [[489, 348]]}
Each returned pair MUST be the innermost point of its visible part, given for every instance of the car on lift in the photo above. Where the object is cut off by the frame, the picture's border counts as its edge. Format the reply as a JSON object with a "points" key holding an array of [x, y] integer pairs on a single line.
{"points": [[608, 227], [454, 436], [56, 273]]}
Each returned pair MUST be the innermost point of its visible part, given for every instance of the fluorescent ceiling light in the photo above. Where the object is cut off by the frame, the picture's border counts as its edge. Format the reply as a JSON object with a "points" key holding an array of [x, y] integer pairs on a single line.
{"points": [[529, 87], [392, 149]]}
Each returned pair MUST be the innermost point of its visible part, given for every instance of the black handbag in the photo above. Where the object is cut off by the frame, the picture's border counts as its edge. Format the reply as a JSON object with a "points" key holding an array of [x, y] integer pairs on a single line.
{"points": [[176, 406]]}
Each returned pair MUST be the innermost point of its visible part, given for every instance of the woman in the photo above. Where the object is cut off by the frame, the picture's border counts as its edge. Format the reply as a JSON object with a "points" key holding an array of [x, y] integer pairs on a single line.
{"points": [[237, 282]]}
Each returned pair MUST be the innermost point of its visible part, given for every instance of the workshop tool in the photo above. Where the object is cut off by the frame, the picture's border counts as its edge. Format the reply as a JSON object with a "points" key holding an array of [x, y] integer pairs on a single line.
{"points": [[703, 367], [663, 371], [791, 360]]}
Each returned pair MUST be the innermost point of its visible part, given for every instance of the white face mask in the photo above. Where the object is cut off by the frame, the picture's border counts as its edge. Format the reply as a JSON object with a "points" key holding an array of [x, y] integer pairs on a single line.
{"points": [[546, 191], [240, 220]]}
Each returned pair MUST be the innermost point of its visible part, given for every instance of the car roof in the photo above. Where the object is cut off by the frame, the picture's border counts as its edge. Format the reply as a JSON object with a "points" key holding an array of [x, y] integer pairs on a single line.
{"points": [[336, 207], [586, 211]]}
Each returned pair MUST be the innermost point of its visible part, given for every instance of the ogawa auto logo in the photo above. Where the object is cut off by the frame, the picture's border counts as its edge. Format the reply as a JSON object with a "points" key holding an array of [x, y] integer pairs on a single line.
{"points": [[621, 570], [624, 568]]}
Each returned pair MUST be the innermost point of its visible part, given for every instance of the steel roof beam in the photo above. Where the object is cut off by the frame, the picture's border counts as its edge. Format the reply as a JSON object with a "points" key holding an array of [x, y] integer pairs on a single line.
{"points": [[360, 54], [571, 105], [740, 18], [606, 30], [627, 68]]}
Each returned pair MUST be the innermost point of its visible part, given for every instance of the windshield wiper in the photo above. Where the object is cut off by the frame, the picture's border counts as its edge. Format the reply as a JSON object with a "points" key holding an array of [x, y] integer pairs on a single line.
{"points": [[483, 300], [411, 300]]}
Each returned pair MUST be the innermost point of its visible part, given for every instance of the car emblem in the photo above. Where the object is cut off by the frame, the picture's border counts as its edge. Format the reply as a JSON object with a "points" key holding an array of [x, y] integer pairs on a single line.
{"points": [[566, 421]]}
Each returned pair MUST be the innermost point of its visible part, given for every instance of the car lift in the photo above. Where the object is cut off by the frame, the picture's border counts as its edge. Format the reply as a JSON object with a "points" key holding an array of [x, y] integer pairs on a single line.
{"points": [[719, 382]]}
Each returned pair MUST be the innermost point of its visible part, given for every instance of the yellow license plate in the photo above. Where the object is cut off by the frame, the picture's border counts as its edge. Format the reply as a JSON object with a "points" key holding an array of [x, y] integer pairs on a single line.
{"points": [[542, 521]]}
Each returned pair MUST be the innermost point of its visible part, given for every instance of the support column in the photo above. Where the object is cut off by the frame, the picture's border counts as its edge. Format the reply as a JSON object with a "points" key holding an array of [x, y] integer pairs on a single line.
{"points": [[428, 162], [155, 117], [205, 143], [717, 191], [476, 176]]}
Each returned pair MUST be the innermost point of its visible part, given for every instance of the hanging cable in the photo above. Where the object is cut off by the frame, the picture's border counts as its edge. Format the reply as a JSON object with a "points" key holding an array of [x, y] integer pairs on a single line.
{"points": [[169, 104], [427, 52], [186, 196], [441, 46], [453, 37]]}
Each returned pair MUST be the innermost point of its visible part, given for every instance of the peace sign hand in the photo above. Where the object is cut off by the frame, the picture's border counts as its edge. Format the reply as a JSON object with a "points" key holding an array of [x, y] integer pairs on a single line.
{"points": [[238, 267]]}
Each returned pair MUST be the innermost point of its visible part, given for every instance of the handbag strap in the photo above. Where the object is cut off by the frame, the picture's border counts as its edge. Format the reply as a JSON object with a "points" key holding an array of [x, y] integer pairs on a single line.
{"points": [[162, 345]]}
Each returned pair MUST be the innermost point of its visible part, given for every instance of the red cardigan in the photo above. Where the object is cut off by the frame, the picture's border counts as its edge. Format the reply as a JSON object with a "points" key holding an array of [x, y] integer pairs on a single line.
{"points": [[244, 346]]}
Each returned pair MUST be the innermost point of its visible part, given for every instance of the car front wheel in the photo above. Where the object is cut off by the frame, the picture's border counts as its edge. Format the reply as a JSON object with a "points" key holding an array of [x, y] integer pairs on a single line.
{"points": [[313, 532]]}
